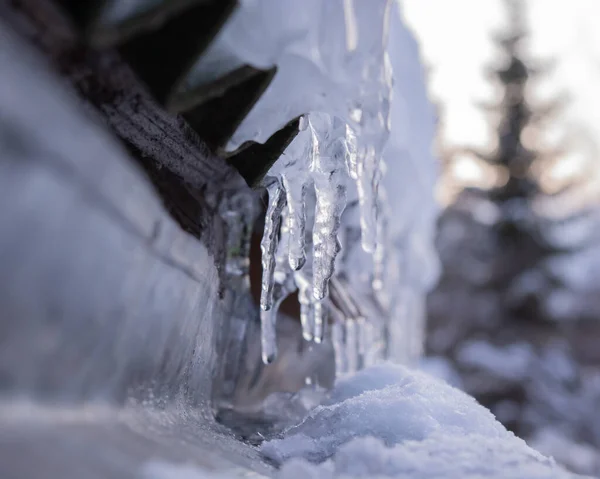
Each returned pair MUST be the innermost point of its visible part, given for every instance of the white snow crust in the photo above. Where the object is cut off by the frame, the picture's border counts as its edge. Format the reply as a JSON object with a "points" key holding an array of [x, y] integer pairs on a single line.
{"points": [[389, 421]]}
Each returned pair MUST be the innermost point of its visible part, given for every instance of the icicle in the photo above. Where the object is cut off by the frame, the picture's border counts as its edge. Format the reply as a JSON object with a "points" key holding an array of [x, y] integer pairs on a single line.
{"points": [[320, 318], [294, 172], [378, 266], [239, 212], [269, 242], [331, 162], [367, 181], [268, 337], [337, 340], [305, 298], [417, 325], [360, 329], [352, 155], [374, 134], [283, 275], [380, 255], [399, 330], [328, 174], [373, 128], [268, 247], [283, 285], [327, 157], [312, 379], [296, 201], [367, 346], [351, 345]]}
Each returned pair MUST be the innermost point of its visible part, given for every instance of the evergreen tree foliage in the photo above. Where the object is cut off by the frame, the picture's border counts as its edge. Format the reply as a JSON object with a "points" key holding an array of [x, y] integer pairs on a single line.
{"points": [[519, 242]]}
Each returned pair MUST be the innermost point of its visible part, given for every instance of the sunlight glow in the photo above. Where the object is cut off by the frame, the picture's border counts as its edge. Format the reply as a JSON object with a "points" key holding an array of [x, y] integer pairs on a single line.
{"points": [[456, 43]]}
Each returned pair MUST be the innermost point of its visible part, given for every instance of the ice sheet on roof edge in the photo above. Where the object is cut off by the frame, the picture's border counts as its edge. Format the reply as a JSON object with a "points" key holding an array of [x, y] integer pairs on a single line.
{"points": [[354, 67]]}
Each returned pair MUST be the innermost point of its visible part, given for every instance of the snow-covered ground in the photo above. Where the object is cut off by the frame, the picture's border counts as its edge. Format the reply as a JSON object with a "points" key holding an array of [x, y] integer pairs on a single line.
{"points": [[391, 421]]}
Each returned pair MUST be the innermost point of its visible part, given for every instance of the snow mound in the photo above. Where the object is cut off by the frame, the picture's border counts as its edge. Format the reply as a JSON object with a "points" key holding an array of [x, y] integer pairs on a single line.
{"points": [[390, 421], [439, 456]]}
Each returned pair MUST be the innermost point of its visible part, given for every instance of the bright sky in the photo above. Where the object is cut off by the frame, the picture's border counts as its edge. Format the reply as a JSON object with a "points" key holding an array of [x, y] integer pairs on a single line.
{"points": [[455, 37]]}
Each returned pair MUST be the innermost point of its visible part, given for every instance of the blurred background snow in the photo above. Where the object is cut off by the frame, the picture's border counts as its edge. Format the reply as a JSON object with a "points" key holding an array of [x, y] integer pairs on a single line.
{"points": [[514, 320]]}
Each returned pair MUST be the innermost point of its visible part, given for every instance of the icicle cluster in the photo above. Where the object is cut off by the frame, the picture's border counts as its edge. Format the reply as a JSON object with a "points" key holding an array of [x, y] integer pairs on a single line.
{"points": [[330, 154], [352, 241], [312, 171]]}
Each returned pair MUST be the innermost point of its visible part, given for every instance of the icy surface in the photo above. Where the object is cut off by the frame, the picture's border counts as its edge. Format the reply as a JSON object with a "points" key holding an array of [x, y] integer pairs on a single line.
{"points": [[351, 70]]}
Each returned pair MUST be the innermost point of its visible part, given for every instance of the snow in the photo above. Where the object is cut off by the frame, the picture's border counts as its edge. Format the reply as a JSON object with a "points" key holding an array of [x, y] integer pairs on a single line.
{"points": [[565, 284], [362, 161], [390, 421], [576, 456], [440, 368], [511, 362], [547, 393], [390, 403], [438, 456]]}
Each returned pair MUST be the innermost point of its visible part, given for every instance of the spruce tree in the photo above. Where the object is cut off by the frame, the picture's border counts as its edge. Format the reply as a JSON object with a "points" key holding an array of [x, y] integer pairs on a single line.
{"points": [[519, 243]]}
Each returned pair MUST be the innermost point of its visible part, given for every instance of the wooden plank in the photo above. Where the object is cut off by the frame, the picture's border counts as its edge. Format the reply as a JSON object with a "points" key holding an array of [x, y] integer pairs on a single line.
{"points": [[104, 81]]}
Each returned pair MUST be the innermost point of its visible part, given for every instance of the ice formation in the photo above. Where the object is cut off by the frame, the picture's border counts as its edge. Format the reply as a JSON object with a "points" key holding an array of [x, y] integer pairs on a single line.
{"points": [[350, 69]]}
